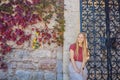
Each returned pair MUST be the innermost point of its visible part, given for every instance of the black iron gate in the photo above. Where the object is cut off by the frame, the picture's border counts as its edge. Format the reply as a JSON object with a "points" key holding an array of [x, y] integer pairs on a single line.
{"points": [[100, 19]]}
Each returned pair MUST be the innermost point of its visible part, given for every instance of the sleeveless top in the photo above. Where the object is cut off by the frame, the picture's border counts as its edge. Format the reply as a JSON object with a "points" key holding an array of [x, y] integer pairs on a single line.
{"points": [[79, 56]]}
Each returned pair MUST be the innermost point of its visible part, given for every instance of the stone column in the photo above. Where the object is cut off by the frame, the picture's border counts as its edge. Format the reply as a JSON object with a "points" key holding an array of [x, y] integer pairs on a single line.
{"points": [[72, 28]]}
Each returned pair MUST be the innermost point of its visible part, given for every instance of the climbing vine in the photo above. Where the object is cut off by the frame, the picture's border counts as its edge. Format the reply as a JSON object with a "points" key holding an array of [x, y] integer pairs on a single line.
{"points": [[18, 16]]}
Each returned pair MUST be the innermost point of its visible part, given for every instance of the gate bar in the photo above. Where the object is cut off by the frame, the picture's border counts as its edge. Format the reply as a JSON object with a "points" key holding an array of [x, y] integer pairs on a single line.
{"points": [[109, 66]]}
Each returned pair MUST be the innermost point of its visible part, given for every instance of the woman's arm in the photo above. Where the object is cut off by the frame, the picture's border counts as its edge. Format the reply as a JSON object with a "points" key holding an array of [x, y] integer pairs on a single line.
{"points": [[73, 61], [88, 55], [87, 58]]}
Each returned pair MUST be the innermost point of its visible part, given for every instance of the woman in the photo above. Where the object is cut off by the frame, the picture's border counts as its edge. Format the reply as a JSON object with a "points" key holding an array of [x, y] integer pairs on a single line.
{"points": [[78, 57]]}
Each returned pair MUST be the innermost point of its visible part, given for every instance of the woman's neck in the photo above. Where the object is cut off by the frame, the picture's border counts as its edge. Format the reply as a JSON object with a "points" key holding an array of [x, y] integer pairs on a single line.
{"points": [[80, 44]]}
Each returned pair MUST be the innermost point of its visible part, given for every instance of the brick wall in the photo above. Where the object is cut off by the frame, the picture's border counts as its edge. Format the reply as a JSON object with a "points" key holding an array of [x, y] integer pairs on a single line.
{"points": [[40, 64], [25, 63], [44, 63]]}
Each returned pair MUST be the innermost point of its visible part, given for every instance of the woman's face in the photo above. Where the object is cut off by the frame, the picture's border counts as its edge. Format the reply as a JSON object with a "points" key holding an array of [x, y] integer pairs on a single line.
{"points": [[80, 38]]}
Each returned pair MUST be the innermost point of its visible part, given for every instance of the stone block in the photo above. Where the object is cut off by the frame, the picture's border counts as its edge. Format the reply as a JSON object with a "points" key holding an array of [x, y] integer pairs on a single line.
{"points": [[60, 76], [3, 75], [66, 77], [10, 72], [12, 78], [47, 64], [54, 52], [59, 53], [59, 66], [27, 60], [12, 65], [26, 66], [20, 54], [42, 53], [37, 75], [72, 5], [49, 75], [23, 75]]}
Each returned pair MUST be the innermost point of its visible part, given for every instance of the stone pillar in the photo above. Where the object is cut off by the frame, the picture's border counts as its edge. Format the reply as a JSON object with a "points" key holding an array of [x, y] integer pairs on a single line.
{"points": [[72, 28]]}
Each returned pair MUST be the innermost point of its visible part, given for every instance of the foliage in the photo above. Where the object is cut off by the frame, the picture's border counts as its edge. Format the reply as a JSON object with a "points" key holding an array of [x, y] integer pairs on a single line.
{"points": [[17, 15]]}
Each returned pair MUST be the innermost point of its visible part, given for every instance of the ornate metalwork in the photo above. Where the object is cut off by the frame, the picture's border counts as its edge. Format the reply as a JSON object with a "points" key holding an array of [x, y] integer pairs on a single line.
{"points": [[100, 19]]}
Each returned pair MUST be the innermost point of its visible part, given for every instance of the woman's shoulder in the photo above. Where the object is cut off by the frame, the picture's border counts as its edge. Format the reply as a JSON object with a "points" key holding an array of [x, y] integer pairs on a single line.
{"points": [[72, 46]]}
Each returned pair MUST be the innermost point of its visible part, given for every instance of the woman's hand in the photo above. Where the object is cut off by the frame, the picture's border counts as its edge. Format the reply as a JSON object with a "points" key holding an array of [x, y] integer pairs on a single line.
{"points": [[73, 61], [82, 70], [77, 70]]}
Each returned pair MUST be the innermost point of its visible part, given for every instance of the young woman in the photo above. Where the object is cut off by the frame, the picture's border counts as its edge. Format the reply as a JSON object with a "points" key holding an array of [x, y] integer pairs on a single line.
{"points": [[79, 55]]}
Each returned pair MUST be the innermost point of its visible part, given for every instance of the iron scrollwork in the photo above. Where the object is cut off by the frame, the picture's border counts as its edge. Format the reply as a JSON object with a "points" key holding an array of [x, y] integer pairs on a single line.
{"points": [[100, 19]]}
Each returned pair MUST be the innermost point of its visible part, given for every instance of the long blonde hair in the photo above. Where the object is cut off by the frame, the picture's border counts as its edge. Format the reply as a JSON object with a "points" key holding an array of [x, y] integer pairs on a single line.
{"points": [[85, 51]]}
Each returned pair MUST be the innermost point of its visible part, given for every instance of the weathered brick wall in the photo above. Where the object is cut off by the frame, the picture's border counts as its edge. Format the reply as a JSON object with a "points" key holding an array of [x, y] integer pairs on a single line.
{"points": [[46, 64], [40, 64]]}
